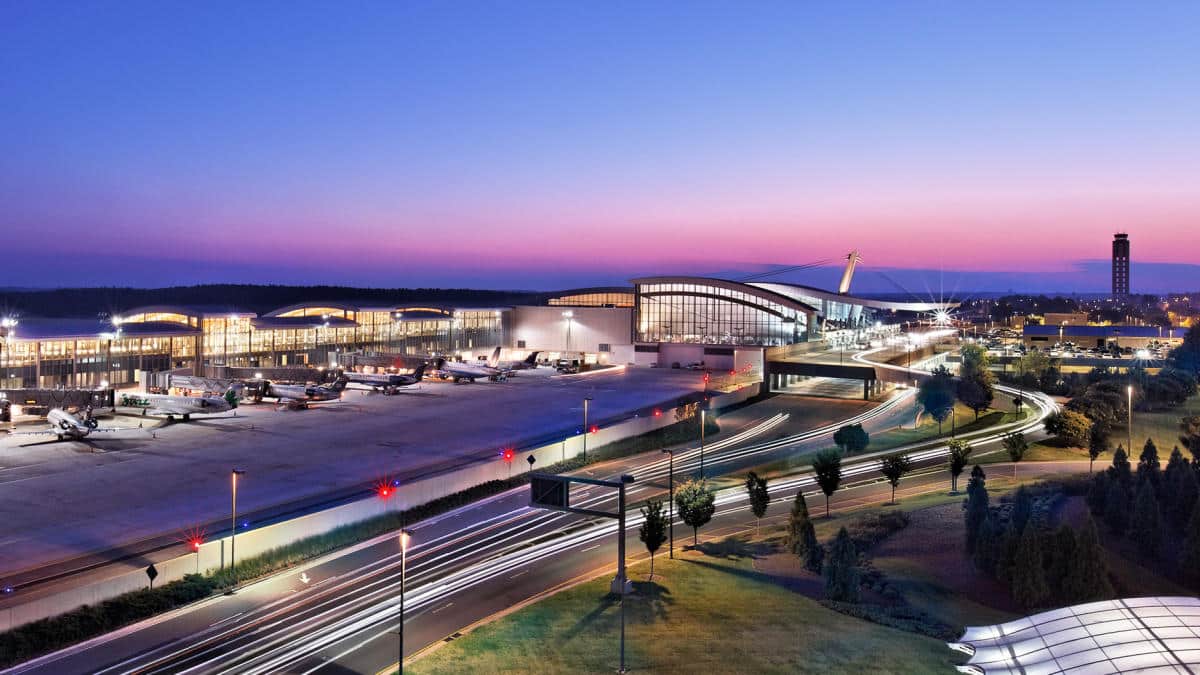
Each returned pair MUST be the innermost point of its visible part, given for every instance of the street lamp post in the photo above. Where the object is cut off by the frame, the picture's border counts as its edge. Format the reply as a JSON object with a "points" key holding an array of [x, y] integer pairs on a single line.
{"points": [[586, 400], [570, 317], [1129, 413], [233, 532], [405, 535], [702, 414], [671, 499]]}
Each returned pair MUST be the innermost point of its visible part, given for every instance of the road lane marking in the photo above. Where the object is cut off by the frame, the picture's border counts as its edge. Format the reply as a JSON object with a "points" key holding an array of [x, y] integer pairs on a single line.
{"points": [[448, 605], [225, 619], [519, 574], [590, 548]]}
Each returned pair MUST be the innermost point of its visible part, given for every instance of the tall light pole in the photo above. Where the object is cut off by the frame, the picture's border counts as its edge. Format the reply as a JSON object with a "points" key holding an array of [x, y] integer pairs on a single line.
{"points": [[671, 498], [570, 317], [233, 532], [702, 414], [586, 400], [1129, 413], [405, 535]]}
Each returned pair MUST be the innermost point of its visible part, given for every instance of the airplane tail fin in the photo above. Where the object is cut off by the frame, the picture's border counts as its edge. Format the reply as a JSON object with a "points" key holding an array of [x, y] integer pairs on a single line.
{"points": [[339, 384], [495, 360], [532, 358], [419, 372]]}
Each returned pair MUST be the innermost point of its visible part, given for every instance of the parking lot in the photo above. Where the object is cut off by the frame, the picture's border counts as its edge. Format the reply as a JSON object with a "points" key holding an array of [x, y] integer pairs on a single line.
{"points": [[59, 500]]}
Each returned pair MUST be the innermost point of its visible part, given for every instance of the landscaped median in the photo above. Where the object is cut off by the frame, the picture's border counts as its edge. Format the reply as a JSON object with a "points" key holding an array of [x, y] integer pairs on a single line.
{"points": [[706, 611], [46, 635]]}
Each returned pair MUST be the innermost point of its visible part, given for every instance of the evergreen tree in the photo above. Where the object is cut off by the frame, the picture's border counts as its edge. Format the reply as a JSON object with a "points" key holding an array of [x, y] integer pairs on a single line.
{"points": [[1007, 549], [1088, 579], [1116, 507], [1189, 560], [1028, 577], [1097, 493], [802, 537], [842, 574], [989, 545], [1120, 469], [1061, 560], [1183, 490], [1146, 529], [654, 529], [1022, 510], [1148, 465], [976, 508]]}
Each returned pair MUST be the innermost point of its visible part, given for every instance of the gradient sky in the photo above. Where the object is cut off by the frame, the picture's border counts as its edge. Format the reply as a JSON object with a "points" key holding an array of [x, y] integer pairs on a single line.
{"points": [[541, 145]]}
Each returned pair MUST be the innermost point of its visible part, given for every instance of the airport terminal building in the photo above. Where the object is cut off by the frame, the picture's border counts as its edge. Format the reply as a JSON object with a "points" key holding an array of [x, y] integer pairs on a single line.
{"points": [[657, 320]]}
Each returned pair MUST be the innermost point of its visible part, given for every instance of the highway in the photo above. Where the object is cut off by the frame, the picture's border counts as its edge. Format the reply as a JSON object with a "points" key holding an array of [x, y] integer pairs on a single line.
{"points": [[339, 613]]}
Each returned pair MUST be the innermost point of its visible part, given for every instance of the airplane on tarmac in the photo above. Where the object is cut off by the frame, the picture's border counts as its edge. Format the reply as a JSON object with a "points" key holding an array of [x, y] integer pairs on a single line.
{"points": [[467, 372], [184, 406], [298, 396], [529, 363], [389, 384], [70, 427]]}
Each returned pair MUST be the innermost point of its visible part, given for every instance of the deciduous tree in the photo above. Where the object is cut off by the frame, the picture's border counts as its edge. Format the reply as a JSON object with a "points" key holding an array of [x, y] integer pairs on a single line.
{"points": [[760, 498], [1071, 428], [654, 529], [893, 467], [696, 504], [1016, 445], [960, 454], [827, 465]]}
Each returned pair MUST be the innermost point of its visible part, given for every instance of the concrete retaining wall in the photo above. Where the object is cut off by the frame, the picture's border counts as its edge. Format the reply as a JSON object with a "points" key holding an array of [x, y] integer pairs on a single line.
{"points": [[252, 542]]}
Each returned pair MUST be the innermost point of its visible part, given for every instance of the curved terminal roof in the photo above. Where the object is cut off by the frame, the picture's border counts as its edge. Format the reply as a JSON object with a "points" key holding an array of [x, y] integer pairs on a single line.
{"points": [[796, 290], [795, 295], [764, 293], [96, 329], [1159, 634]]}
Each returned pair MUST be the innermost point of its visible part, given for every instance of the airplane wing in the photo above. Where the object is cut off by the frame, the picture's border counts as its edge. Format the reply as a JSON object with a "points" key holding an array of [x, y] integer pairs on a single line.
{"points": [[33, 433]]}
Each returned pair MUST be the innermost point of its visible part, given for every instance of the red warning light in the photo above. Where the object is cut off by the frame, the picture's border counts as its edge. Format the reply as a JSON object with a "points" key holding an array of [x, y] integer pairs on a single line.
{"points": [[508, 454], [384, 488], [196, 544], [657, 412], [595, 429]]}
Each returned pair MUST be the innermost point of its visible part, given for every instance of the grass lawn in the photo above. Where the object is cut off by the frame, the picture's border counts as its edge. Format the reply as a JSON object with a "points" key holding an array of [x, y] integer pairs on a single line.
{"points": [[1162, 426], [701, 614]]}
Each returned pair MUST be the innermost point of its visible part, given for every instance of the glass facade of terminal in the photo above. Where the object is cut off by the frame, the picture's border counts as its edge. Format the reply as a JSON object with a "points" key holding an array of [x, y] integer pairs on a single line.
{"points": [[690, 311], [161, 341], [596, 298]]}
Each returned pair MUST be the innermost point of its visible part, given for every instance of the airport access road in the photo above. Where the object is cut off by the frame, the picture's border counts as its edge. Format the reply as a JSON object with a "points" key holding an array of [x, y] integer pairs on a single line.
{"points": [[454, 541]]}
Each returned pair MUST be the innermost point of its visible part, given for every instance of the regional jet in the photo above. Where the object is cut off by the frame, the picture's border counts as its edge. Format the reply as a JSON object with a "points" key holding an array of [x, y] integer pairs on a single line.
{"points": [[529, 363], [388, 384], [297, 396], [467, 372], [69, 427], [184, 406]]}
